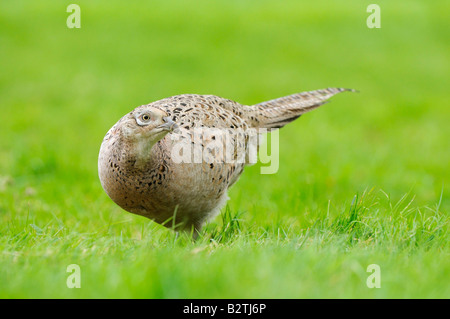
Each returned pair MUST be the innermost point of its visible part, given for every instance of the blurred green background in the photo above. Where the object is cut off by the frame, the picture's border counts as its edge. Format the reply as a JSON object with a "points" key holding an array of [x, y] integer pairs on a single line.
{"points": [[61, 90]]}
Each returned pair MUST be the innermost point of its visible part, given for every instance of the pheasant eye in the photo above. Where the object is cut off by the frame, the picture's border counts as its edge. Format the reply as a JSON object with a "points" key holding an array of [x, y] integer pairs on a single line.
{"points": [[145, 117]]}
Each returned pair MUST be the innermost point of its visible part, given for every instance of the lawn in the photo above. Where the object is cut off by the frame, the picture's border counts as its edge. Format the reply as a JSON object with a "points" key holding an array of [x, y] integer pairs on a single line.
{"points": [[362, 180]]}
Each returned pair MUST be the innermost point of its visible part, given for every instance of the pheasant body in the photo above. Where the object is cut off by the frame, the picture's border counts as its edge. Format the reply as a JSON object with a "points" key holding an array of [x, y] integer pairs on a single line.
{"points": [[145, 167]]}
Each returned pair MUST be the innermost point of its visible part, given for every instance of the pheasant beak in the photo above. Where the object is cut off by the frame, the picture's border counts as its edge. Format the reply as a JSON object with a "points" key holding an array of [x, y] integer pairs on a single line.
{"points": [[168, 125]]}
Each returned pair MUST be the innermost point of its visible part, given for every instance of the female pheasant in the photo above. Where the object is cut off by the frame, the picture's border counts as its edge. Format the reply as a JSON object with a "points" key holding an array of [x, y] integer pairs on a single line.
{"points": [[173, 160]]}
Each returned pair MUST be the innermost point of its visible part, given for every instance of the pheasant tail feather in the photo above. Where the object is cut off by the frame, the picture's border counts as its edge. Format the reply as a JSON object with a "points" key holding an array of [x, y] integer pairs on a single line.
{"points": [[279, 112]]}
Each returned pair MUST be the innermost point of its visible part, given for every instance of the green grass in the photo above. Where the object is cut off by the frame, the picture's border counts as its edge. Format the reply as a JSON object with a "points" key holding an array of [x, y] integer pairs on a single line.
{"points": [[363, 180]]}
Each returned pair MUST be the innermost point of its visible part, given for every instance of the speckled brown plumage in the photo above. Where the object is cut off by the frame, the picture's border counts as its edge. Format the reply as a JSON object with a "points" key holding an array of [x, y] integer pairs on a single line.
{"points": [[138, 170]]}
